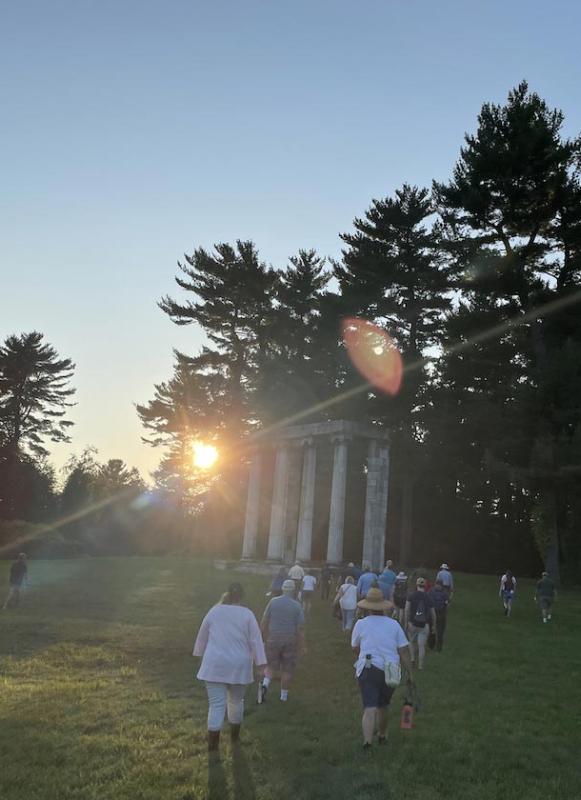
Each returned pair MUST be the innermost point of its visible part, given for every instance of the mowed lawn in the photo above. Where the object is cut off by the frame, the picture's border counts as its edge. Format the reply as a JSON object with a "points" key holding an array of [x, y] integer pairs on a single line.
{"points": [[98, 698]]}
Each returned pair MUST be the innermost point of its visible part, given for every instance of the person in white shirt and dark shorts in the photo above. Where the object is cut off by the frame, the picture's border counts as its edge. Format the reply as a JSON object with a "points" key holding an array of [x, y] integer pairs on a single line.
{"points": [[376, 640], [307, 591]]}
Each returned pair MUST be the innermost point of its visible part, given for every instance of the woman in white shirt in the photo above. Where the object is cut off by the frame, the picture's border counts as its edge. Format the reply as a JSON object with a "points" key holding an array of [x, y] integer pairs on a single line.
{"points": [[229, 642], [308, 590], [347, 599], [377, 639]]}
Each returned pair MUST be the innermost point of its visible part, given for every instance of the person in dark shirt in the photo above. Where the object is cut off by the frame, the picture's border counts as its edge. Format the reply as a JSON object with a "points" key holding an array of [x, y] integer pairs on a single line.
{"points": [[18, 573], [419, 617], [326, 577], [440, 599], [545, 595]]}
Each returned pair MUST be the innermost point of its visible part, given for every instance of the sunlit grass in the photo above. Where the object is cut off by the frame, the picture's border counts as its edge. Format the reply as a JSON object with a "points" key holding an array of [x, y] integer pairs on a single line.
{"points": [[98, 700]]}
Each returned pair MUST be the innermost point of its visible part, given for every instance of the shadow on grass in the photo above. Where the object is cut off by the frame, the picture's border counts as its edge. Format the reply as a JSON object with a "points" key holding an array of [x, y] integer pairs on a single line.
{"points": [[217, 783], [243, 781]]}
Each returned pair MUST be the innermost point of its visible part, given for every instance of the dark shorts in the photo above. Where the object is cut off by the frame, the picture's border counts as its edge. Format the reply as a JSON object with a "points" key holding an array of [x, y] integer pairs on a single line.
{"points": [[545, 602], [281, 653], [307, 593], [375, 693], [399, 602]]}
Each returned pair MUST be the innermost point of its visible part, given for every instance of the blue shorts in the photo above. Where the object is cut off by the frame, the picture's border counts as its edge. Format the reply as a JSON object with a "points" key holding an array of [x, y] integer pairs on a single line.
{"points": [[375, 693], [508, 595]]}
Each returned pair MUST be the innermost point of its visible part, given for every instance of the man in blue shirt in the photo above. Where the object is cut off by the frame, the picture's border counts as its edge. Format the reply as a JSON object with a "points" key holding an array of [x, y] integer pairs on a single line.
{"points": [[365, 582], [387, 580], [446, 579], [283, 633]]}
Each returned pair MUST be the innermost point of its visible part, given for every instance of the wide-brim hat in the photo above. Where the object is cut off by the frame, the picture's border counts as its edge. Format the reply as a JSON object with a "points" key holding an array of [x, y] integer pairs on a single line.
{"points": [[444, 566], [375, 601], [401, 575]]}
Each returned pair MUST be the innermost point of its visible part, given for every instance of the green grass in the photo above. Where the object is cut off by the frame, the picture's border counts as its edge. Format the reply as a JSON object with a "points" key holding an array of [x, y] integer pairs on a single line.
{"points": [[98, 698]]}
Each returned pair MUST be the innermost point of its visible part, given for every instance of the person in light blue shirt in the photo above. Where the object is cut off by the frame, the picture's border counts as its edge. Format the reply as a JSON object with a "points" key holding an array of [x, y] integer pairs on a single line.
{"points": [[444, 576], [387, 580], [365, 582]]}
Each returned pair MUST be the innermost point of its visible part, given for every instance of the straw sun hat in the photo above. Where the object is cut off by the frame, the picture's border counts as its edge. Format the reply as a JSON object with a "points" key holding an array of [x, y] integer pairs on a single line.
{"points": [[374, 601]]}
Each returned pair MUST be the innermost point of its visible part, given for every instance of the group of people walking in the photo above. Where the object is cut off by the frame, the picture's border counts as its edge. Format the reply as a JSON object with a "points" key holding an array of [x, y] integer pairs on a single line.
{"points": [[230, 640], [391, 618]]}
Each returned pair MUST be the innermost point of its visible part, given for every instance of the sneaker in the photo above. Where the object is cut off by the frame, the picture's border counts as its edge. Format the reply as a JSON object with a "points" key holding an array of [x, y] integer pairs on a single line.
{"points": [[549, 617]]}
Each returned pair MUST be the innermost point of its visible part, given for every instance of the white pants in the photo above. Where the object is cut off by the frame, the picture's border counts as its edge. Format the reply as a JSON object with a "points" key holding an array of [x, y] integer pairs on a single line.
{"points": [[221, 695], [348, 615]]}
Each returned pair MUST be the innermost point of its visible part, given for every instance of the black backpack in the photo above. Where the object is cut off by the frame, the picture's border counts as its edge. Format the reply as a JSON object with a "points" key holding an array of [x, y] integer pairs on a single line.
{"points": [[421, 613], [400, 589]]}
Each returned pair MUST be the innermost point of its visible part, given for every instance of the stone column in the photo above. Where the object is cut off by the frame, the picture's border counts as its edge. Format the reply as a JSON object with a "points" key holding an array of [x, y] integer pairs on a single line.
{"points": [[276, 536], [252, 507], [307, 506], [376, 505], [337, 515]]}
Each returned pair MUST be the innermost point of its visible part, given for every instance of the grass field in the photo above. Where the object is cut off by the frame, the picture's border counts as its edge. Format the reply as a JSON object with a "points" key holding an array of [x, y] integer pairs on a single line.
{"points": [[98, 699]]}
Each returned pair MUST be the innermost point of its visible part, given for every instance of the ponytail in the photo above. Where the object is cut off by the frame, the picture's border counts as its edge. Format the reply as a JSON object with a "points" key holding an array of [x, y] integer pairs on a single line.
{"points": [[233, 596]]}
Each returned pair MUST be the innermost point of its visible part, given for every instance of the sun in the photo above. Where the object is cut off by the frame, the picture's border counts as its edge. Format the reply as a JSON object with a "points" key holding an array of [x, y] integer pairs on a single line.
{"points": [[205, 455]]}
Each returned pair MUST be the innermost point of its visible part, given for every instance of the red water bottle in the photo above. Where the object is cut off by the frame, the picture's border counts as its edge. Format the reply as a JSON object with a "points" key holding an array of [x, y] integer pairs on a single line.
{"points": [[407, 717]]}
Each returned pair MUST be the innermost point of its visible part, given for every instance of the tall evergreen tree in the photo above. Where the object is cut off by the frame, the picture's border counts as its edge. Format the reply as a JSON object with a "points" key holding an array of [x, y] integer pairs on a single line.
{"points": [[391, 274], [34, 394], [231, 294], [512, 221]]}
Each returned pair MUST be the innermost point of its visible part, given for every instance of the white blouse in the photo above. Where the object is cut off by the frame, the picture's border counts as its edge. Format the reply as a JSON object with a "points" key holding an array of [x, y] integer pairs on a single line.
{"points": [[229, 641]]}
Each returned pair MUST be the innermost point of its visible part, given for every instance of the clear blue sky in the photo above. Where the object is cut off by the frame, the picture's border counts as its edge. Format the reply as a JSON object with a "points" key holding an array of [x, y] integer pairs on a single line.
{"points": [[133, 131]]}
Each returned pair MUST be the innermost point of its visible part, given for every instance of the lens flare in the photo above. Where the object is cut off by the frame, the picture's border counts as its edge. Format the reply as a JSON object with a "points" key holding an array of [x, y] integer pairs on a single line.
{"points": [[205, 455], [374, 354]]}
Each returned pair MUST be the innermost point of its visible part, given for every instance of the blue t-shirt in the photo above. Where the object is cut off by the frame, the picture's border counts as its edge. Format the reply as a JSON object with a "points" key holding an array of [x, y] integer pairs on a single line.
{"points": [[284, 615], [386, 582], [365, 582]]}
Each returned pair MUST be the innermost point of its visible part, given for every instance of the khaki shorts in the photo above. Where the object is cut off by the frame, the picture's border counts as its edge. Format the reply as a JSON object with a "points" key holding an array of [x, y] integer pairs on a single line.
{"points": [[416, 634], [281, 653]]}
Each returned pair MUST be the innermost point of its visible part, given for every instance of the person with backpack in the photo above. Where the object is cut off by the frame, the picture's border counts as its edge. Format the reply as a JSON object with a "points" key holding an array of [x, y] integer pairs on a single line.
{"points": [[507, 591], [440, 600], [399, 597], [445, 577], [419, 617], [545, 595], [346, 598]]}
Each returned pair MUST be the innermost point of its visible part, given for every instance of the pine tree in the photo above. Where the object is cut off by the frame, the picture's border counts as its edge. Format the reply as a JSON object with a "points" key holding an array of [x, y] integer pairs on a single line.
{"points": [[512, 222], [391, 274], [231, 299], [34, 394]]}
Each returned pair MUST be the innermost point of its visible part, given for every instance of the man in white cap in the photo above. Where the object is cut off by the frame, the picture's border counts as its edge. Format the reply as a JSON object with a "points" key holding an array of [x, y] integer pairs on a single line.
{"points": [[444, 576], [283, 632], [297, 573]]}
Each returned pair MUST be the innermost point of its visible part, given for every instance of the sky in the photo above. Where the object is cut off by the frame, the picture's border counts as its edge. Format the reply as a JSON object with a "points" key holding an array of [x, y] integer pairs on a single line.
{"points": [[134, 131]]}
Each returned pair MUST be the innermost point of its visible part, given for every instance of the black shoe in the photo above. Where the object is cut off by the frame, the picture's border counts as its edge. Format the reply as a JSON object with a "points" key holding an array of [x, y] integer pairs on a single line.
{"points": [[382, 740], [366, 747]]}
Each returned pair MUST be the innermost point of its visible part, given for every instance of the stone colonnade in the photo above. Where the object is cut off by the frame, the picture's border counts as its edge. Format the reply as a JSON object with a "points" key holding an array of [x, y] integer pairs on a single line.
{"points": [[341, 433]]}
